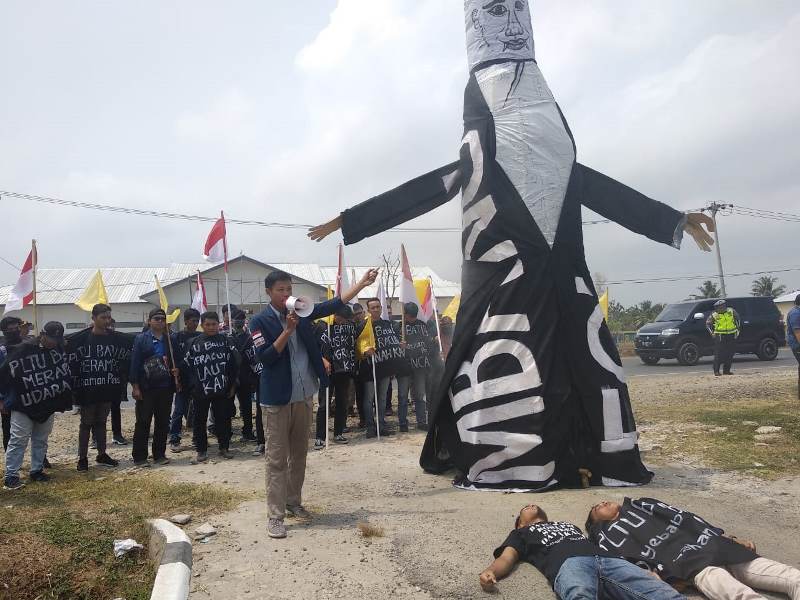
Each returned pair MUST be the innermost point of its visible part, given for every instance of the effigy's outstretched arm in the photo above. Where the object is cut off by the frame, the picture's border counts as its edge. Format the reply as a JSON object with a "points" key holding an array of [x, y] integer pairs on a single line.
{"points": [[392, 208], [639, 213]]}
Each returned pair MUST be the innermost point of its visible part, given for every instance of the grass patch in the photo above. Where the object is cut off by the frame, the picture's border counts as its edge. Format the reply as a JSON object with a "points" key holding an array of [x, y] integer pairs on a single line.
{"points": [[56, 539], [695, 428], [370, 531]]}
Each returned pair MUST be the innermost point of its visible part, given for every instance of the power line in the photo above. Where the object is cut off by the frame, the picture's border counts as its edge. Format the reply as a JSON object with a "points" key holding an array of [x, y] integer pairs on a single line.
{"points": [[696, 277], [189, 217]]}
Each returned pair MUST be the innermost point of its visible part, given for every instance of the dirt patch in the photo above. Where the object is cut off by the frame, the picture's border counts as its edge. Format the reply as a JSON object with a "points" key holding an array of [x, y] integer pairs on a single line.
{"points": [[713, 421], [370, 531]]}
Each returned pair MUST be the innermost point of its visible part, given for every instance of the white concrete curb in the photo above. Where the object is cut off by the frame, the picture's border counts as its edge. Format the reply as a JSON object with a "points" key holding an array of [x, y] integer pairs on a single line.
{"points": [[171, 549]]}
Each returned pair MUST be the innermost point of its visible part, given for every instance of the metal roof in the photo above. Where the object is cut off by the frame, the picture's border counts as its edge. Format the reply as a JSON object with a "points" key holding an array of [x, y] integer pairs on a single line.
{"points": [[123, 284], [129, 284], [326, 275], [788, 297]]}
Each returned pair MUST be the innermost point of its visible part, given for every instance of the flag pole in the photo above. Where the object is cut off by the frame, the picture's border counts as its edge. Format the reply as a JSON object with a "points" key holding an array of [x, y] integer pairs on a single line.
{"points": [[35, 266], [436, 315], [375, 387], [328, 403], [227, 284], [169, 341]]}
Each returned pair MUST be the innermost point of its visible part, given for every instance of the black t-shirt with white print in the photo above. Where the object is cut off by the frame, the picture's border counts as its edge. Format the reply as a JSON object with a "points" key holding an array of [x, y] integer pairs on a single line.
{"points": [[547, 545]]}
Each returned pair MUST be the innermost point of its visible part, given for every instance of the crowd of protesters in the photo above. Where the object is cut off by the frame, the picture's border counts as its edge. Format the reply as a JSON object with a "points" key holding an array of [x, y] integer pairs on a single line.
{"points": [[193, 379]]}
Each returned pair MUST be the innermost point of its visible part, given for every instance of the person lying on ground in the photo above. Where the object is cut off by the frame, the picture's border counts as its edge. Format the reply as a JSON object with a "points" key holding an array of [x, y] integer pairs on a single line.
{"points": [[575, 567], [683, 547]]}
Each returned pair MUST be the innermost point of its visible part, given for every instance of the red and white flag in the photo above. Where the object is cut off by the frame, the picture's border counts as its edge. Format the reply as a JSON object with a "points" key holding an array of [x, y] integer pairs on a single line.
{"points": [[407, 291], [22, 293], [216, 248], [199, 302], [343, 282]]}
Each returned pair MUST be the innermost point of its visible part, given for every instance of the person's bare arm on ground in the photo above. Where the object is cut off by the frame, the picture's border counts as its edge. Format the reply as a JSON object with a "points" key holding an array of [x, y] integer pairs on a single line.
{"points": [[746, 543], [500, 568]]}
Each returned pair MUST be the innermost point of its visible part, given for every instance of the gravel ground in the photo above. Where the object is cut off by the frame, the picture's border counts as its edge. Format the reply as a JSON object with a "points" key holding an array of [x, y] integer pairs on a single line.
{"points": [[437, 539]]}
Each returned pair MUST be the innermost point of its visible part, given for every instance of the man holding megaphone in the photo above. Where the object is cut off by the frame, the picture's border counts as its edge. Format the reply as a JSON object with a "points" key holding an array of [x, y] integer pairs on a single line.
{"points": [[284, 340]]}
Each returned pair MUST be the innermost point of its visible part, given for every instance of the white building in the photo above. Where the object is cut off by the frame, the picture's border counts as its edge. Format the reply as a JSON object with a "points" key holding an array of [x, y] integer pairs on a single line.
{"points": [[132, 291], [786, 302]]}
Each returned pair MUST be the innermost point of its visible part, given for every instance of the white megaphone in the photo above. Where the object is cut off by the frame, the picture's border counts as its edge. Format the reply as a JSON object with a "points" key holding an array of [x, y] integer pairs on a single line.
{"points": [[302, 305]]}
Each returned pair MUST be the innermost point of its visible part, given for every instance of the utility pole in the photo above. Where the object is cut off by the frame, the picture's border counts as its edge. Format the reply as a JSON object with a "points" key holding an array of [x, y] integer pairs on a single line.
{"points": [[714, 208]]}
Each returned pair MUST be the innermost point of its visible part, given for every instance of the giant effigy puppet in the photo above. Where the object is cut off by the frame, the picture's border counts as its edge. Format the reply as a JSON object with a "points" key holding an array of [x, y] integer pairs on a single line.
{"points": [[533, 393]]}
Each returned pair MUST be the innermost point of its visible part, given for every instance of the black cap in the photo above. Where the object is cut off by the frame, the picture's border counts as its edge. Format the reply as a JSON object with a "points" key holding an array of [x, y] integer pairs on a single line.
{"points": [[54, 330], [157, 311]]}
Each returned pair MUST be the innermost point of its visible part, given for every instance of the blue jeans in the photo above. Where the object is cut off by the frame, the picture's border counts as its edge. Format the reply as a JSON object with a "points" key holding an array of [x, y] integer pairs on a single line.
{"points": [[415, 384], [23, 428], [179, 409], [595, 577]]}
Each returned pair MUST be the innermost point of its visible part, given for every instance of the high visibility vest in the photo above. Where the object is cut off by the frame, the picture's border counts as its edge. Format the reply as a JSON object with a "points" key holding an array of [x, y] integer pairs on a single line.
{"points": [[725, 323]]}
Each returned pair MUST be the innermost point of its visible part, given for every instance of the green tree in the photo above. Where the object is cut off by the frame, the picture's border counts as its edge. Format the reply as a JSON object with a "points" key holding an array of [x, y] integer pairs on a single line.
{"points": [[767, 286], [709, 289], [633, 317]]}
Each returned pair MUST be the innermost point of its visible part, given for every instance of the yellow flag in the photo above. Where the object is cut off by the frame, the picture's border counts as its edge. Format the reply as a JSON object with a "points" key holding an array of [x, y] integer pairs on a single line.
{"points": [[162, 300], [603, 302], [366, 340], [452, 308], [329, 318], [421, 287], [95, 293]]}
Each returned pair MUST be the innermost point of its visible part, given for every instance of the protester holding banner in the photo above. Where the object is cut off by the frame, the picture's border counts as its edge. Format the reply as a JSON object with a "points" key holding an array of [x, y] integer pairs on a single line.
{"points": [[35, 382], [292, 372], [213, 364], [325, 393], [418, 345], [682, 547], [248, 376], [342, 356], [154, 376], [575, 567], [183, 399], [100, 356], [12, 336], [390, 361]]}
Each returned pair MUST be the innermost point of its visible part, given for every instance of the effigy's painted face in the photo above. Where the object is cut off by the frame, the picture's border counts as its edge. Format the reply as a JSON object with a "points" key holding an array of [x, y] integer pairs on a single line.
{"points": [[497, 30]]}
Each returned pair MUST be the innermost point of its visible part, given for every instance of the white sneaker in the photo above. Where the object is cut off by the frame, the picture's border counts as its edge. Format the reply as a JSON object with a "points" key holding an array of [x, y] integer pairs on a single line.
{"points": [[319, 444]]}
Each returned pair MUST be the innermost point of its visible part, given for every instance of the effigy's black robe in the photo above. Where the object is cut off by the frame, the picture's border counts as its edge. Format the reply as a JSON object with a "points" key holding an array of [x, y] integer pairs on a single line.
{"points": [[533, 388]]}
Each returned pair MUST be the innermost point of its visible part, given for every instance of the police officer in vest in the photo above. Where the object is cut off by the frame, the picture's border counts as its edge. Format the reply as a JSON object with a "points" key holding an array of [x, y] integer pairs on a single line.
{"points": [[724, 325]]}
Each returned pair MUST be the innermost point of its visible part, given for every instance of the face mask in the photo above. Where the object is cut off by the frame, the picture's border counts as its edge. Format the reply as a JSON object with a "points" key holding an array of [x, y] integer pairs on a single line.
{"points": [[13, 337]]}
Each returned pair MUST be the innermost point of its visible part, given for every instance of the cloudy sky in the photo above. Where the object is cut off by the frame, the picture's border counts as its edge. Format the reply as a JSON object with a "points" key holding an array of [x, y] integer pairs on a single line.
{"points": [[288, 111]]}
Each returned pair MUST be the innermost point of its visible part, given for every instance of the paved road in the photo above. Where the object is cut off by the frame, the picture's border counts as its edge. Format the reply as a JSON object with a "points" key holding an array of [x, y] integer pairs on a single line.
{"points": [[746, 362]]}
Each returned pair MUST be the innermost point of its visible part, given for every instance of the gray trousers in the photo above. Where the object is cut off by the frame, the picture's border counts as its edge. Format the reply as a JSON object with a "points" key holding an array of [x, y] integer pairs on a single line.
{"points": [[369, 402], [415, 385]]}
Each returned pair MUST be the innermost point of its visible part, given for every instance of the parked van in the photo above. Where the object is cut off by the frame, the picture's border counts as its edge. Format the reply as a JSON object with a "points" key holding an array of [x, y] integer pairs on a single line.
{"points": [[680, 331]]}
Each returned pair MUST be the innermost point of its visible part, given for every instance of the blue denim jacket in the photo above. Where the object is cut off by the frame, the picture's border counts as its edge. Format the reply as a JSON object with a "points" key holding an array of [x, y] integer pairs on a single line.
{"points": [[143, 349], [275, 384]]}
